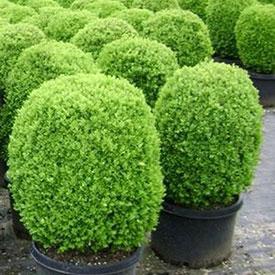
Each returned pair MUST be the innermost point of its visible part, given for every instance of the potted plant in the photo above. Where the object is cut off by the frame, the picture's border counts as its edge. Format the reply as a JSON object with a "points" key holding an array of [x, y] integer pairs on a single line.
{"points": [[255, 33], [84, 165], [221, 18], [210, 124], [146, 64], [183, 32]]}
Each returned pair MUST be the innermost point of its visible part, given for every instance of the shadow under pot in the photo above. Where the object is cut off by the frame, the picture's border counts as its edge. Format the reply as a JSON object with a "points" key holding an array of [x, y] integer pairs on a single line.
{"points": [[195, 238], [48, 266], [18, 227]]}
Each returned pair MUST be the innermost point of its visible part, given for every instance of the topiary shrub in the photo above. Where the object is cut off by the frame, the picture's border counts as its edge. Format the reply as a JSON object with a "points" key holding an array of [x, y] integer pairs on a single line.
{"points": [[255, 33], [63, 25], [13, 40], [196, 6], [35, 65], [209, 121], [182, 31], [78, 153], [82, 4], [101, 32], [16, 13], [155, 5], [134, 17], [145, 63], [221, 20], [37, 4]]}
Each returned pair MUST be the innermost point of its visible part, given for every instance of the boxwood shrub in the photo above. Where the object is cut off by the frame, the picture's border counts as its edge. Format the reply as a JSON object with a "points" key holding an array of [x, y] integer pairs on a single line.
{"points": [[210, 122], [84, 151], [182, 31], [37, 4], [221, 20], [145, 63], [134, 17], [35, 65], [196, 6], [101, 32], [155, 5], [82, 4], [255, 34], [13, 40]]}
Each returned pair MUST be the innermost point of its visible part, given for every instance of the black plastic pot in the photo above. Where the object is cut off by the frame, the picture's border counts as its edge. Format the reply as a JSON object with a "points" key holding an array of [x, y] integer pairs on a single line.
{"points": [[195, 238], [18, 227], [48, 266], [265, 83]]}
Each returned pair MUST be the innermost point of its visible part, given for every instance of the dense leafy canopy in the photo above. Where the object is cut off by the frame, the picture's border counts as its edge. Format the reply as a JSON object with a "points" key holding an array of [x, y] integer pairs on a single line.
{"points": [[155, 5]]}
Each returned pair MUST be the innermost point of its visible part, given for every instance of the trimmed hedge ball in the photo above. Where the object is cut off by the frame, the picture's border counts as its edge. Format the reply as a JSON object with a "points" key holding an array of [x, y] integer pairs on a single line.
{"points": [[255, 34], [64, 25], [182, 31], [78, 153], [35, 65], [196, 6], [155, 5], [82, 4], [210, 125], [134, 16], [146, 64], [222, 17], [101, 32], [13, 40], [37, 4]]}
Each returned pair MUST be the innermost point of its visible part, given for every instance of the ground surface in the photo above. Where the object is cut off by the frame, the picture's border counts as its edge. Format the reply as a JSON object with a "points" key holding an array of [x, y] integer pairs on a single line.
{"points": [[254, 244]]}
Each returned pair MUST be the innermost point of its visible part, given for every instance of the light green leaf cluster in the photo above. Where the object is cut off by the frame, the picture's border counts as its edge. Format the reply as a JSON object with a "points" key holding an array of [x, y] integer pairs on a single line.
{"points": [[182, 31], [82, 4], [84, 164], [196, 6], [155, 5], [255, 34], [146, 64], [210, 125], [96, 35], [37, 4]]}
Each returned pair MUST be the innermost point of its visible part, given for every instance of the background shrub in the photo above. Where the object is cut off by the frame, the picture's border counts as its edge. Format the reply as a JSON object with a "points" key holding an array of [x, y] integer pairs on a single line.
{"points": [[82, 4], [103, 31], [255, 33], [77, 156], [196, 6], [13, 40], [182, 31], [221, 20], [209, 121], [155, 5], [35, 65], [37, 4], [134, 17], [145, 63]]}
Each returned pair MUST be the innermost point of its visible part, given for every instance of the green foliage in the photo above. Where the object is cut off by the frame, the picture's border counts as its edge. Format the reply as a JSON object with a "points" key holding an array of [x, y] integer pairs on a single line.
{"points": [[268, 1], [16, 13], [222, 17], [13, 40], [145, 63], [182, 31], [62, 26], [196, 6], [37, 4], [155, 5], [134, 17], [65, 3], [255, 34], [103, 31], [82, 4], [84, 164], [35, 65], [210, 123]]}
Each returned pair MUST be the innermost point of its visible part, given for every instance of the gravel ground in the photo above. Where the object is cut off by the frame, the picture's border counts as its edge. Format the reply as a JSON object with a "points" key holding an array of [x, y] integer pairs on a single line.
{"points": [[254, 244]]}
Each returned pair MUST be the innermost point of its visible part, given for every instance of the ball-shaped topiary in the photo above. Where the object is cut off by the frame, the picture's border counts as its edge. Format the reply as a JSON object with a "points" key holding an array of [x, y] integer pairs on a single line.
{"points": [[221, 20], [62, 26], [182, 31], [37, 4], [196, 6], [134, 17], [84, 150], [101, 32], [146, 64], [82, 4], [13, 40], [155, 5], [16, 13], [255, 34], [35, 65], [209, 121]]}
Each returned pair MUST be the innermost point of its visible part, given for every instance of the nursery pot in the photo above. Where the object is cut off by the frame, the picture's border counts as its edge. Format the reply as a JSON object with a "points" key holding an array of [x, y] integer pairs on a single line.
{"points": [[265, 83], [48, 266], [195, 238], [18, 227]]}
